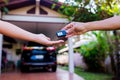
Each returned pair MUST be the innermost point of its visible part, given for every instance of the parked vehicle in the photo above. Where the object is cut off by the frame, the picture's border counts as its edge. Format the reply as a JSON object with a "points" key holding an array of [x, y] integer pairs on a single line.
{"points": [[38, 56]]}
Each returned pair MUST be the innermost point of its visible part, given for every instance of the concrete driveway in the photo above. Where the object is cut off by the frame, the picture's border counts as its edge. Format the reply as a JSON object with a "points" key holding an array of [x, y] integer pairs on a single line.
{"points": [[59, 75]]}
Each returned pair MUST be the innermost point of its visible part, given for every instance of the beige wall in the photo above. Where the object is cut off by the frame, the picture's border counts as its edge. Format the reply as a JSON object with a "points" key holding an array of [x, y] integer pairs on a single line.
{"points": [[22, 11]]}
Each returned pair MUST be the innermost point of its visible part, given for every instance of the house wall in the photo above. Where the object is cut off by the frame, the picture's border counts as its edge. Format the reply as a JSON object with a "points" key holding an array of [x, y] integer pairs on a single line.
{"points": [[23, 11], [62, 59], [20, 11], [11, 52], [51, 12]]}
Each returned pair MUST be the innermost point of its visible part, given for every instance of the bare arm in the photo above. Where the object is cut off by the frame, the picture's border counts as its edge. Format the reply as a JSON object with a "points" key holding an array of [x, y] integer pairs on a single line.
{"points": [[107, 24], [11, 30], [76, 28]]}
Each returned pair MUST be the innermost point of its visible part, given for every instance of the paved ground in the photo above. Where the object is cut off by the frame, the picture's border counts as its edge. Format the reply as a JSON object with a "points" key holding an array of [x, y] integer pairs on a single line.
{"points": [[59, 75]]}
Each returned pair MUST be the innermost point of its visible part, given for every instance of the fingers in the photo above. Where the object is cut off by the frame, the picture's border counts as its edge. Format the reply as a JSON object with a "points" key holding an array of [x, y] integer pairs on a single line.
{"points": [[42, 39], [56, 42], [59, 41], [70, 35], [68, 26], [69, 31]]}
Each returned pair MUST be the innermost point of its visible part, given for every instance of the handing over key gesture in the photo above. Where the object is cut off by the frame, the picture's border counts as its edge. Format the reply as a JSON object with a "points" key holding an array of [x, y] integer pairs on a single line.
{"points": [[77, 28]]}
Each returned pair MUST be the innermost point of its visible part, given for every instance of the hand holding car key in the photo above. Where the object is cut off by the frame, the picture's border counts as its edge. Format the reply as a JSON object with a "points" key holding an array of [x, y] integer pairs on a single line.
{"points": [[61, 35]]}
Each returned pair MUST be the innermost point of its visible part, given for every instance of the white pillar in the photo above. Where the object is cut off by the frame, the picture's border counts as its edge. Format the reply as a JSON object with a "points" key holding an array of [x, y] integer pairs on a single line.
{"points": [[1, 41], [37, 7], [71, 55]]}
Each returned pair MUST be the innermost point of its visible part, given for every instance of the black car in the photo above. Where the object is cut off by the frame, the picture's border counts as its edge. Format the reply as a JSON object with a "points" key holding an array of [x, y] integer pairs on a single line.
{"points": [[38, 56]]}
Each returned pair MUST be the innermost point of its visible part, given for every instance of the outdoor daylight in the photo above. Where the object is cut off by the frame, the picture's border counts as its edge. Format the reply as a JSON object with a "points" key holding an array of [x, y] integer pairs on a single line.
{"points": [[59, 39]]}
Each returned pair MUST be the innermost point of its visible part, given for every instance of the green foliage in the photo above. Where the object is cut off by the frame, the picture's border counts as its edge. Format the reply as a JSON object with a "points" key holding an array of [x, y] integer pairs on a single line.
{"points": [[69, 10], [78, 0], [91, 56], [90, 75], [83, 15], [95, 52], [61, 47], [103, 41], [56, 0], [84, 10], [5, 10], [6, 1], [93, 76], [53, 6], [89, 49], [107, 8]]}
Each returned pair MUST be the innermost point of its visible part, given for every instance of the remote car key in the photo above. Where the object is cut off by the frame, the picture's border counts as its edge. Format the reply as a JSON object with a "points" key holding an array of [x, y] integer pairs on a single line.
{"points": [[61, 34]]}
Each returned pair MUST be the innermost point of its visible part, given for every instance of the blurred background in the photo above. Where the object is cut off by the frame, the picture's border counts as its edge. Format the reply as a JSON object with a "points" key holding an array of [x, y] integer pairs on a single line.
{"points": [[94, 52]]}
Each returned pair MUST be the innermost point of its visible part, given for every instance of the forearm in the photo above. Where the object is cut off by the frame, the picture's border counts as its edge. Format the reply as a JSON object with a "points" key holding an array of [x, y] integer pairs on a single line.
{"points": [[107, 24], [15, 32]]}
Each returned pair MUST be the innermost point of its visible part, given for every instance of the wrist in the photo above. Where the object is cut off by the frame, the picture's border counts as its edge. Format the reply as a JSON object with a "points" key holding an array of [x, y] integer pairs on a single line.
{"points": [[34, 37], [89, 26]]}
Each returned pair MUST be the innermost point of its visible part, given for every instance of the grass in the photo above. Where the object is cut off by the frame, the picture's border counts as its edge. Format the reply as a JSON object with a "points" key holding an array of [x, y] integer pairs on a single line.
{"points": [[90, 75]]}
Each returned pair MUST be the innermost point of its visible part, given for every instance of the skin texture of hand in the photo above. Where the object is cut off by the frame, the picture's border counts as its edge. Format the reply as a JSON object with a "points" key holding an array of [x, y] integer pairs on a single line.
{"points": [[75, 28]]}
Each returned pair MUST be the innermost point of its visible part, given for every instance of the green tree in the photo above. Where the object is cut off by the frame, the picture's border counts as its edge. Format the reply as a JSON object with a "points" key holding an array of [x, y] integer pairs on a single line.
{"points": [[95, 52], [5, 9]]}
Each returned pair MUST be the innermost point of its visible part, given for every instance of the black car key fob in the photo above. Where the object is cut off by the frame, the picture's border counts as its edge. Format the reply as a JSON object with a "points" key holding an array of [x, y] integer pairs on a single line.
{"points": [[61, 35]]}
